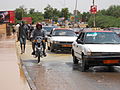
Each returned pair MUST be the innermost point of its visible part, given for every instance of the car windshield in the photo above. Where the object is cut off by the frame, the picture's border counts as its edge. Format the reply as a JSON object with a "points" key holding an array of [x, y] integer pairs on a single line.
{"points": [[101, 38], [47, 29], [63, 33]]}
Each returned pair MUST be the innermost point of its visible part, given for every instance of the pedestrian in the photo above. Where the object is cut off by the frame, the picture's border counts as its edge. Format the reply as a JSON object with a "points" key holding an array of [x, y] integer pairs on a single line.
{"points": [[22, 36], [13, 30]]}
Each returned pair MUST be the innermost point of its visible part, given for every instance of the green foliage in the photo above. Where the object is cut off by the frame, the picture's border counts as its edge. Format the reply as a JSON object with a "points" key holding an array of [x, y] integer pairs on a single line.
{"points": [[20, 12], [53, 13], [48, 12], [36, 16], [107, 18], [65, 13], [85, 16], [105, 21]]}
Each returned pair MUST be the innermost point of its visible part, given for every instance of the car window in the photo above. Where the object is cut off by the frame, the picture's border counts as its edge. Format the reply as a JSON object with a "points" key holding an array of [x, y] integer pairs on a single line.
{"points": [[47, 29], [101, 38], [81, 36], [63, 33]]}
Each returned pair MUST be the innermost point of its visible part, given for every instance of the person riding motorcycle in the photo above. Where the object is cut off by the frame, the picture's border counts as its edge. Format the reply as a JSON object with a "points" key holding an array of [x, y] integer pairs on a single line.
{"points": [[38, 32]]}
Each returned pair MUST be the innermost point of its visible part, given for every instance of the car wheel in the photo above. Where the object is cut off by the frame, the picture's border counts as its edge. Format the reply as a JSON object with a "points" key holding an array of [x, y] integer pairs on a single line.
{"points": [[48, 48], [84, 67], [75, 60], [51, 48]]}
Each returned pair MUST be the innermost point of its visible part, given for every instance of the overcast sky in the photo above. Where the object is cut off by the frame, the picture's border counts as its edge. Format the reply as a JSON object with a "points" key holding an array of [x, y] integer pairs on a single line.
{"points": [[82, 5]]}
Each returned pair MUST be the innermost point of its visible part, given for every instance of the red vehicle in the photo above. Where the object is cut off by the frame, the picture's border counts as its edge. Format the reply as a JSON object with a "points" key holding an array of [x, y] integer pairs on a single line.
{"points": [[7, 17]]}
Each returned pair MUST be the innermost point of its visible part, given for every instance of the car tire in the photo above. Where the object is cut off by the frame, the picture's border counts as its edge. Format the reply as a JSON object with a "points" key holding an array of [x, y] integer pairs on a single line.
{"points": [[48, 48], [51, 48], [84, 67], [75, 60]]}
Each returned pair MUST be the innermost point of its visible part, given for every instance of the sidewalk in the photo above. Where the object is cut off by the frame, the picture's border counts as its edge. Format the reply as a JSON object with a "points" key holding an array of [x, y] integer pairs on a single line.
{"points": [[11, 74]]}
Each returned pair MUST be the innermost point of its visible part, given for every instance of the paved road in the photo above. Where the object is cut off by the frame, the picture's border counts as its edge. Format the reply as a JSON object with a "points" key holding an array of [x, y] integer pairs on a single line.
{"points": [[57, 72]]}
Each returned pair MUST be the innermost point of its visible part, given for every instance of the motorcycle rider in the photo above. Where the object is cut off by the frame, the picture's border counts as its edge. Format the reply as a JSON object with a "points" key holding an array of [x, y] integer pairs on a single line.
{"points": [[38, 32]]}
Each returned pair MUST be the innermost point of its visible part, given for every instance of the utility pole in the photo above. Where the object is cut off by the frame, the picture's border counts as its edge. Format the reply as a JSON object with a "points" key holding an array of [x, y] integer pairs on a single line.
{"points": [[94, 22], [64, 4], [75, 10]]}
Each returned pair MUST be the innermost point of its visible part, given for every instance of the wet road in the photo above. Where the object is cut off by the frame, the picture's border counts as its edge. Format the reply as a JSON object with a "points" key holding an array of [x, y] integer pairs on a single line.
{"points": [[57, 72]]}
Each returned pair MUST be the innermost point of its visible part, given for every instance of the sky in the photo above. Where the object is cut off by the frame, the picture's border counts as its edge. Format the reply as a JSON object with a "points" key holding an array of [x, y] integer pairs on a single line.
{"points": [[82, 5]]}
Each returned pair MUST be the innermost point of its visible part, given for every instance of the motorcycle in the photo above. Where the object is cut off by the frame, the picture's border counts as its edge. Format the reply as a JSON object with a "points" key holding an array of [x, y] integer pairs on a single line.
{"points": [[38, 47]]}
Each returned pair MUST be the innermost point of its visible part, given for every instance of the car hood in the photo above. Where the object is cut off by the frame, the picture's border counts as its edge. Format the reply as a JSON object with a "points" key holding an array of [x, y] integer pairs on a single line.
{"points": [[64, 38], [103, 47]]}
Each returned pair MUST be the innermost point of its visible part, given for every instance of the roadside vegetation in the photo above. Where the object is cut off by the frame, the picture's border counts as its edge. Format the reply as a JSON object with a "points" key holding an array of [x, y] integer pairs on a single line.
{"points": [[104, 18]]}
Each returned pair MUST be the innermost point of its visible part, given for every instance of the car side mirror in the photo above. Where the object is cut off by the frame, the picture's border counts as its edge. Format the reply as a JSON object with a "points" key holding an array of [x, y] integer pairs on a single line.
{"points": [[77, 35], [79, 41], [49, 35]]}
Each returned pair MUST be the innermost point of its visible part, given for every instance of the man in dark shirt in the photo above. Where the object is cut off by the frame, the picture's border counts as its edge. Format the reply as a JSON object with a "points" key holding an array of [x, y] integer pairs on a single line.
{"points": [[22, 35]]}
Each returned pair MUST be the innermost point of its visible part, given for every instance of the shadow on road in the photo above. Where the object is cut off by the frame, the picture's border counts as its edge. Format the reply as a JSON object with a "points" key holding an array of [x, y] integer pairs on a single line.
{"points": [[59, 52], [96, 68]]}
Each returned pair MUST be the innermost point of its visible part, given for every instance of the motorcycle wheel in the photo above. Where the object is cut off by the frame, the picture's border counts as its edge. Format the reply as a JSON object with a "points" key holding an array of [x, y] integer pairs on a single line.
{"points": [[38, 58]]}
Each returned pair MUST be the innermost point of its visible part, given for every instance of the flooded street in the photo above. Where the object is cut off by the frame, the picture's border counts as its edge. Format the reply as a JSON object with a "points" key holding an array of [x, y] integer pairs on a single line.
{"points": [[11, 74], [57, 72]]}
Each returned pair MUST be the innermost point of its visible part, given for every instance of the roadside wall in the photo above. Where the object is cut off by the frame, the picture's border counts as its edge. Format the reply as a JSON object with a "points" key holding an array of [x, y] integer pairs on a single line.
{"points": [[2, 30]]}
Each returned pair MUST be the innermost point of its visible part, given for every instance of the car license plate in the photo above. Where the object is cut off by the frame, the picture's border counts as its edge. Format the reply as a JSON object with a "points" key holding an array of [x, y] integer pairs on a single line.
{"points": [[66, 45], [110, 61]]}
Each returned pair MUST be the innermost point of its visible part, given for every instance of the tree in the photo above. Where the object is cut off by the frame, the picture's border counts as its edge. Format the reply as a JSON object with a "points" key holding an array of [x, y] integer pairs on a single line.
{"points": [[107, 18], [20, 12], [65, 13], [85, 16], [48, 13], [32, 11], [56, 14], [36, 15]]}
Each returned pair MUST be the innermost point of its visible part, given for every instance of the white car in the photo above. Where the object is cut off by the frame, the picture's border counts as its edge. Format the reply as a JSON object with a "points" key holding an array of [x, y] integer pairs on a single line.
{"points": [[96, 48], [61, 39]]}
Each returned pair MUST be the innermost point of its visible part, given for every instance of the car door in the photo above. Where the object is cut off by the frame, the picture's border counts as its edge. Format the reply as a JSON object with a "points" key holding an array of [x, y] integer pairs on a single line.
{"points": [[78, 46], [49, 38]]}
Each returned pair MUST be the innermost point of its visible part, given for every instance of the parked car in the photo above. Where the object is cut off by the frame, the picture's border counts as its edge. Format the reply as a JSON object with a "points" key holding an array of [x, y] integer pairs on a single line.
{"points": [[96, 48], [61, 39]]}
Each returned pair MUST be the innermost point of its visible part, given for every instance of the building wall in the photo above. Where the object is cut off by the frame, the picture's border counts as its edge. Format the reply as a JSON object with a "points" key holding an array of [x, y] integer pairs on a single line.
{"points": [[2, 29]]}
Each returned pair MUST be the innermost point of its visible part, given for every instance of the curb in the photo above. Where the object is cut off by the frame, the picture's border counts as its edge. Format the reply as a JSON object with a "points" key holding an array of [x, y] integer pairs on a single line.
{"points": [[29, 80]]}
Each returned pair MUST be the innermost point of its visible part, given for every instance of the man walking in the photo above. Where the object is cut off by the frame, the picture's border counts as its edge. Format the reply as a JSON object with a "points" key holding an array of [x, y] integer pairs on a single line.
{"points": [[22, 36]]}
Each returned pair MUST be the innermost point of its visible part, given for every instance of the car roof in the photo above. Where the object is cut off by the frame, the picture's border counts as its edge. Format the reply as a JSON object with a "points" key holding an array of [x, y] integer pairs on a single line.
{"points": [[47, 26], [62, 29], [95, 31]]}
